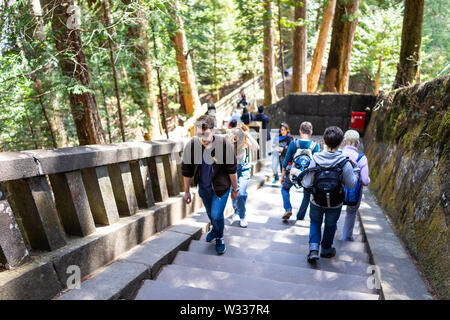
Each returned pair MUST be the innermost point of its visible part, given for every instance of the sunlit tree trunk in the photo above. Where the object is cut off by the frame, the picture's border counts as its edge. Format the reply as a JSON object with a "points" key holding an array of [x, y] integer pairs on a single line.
{"points": [[299, 50], [73, 64], [144, 97], [184, 63], [377, 81], [281, 48], [316, 63], [344, 26], [408, 66], [270, 95], [107, 21]]}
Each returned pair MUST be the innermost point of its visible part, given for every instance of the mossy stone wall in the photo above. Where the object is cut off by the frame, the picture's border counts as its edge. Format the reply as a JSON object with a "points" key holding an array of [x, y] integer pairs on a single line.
{"points": [[407, 144]]}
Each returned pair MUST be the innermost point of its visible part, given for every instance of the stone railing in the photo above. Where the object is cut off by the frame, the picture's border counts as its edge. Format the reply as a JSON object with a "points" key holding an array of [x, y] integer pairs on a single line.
{"points": [[83, 207], [226, 105]]}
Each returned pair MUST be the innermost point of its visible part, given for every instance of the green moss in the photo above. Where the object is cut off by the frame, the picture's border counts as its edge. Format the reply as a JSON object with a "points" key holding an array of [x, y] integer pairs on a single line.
{"points": [[417, 124]]}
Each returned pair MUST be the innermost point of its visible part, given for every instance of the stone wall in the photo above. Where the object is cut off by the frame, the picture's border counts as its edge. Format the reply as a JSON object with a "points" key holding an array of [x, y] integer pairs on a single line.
{"points": [[322, 110], [407, 144]]}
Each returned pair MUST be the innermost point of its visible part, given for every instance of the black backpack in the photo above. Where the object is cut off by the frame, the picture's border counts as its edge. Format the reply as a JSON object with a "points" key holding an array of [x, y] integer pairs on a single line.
{"points": [[327, 188]]}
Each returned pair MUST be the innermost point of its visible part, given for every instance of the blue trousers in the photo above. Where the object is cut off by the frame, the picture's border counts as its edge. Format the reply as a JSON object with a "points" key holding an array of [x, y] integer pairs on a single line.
{"points": [[285, 189], [215, 207], [243, 173], [316, 214]]}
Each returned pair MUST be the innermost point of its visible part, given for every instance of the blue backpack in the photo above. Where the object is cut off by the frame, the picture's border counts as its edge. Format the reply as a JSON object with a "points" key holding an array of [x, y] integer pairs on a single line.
{"points": [[352, 196]]}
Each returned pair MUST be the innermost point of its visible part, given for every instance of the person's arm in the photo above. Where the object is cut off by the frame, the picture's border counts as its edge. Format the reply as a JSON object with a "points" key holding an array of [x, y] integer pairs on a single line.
{"points": [[187, 185], [289, 154], [234, 185], [364, 174], [350, 174], [252, 143]]}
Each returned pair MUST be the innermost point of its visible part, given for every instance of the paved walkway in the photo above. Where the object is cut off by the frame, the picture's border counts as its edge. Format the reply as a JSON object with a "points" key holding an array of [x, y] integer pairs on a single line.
{"points": [[266, 260]]}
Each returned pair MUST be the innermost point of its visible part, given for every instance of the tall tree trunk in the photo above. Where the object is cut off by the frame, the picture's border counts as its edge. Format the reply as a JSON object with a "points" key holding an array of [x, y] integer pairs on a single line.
{"points": [[37, 32], [107, 21], [108, 121], [270, 95], [58, 120], [316, 64], [281, 49], [158, 74], [344, 26], [145, 96], [50, 126], [377, 80], [73, 64], [299, 55], [187, 75], [408, 66], [34, 138]]}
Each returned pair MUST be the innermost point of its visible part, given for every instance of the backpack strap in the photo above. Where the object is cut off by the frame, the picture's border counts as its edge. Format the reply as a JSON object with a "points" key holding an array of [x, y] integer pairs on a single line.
{"points": [[297, 143], [312, 146], [360, 157]]}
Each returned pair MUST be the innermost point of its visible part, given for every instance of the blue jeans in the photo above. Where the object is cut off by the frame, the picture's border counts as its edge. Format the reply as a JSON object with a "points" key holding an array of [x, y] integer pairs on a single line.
{"points": [[215, 207], [285, 189], [350, 217], [316, 214], [243, 173]]}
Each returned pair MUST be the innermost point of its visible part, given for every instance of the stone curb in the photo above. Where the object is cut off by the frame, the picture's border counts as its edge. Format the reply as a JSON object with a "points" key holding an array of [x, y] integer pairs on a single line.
{"points": [[400, 279]]}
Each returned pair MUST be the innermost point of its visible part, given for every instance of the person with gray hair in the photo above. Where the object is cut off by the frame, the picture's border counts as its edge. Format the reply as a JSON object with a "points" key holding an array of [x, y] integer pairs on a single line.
{"points": [[351, 143]]}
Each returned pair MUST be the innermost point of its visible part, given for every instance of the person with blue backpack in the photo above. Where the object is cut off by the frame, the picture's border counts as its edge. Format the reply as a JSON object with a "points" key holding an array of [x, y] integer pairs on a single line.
{"points": [[304, 143], [353, 196], [326, 178]]}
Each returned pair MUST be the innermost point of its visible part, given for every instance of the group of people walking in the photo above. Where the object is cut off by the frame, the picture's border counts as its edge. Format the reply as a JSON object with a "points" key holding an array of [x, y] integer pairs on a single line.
{"points": [[330, 177]]}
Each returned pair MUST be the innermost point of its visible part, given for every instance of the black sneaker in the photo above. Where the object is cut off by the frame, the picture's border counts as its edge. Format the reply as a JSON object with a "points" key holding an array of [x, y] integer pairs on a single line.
{"points": [[220, 246], [286, 216], [313, 256], [329, 255]]}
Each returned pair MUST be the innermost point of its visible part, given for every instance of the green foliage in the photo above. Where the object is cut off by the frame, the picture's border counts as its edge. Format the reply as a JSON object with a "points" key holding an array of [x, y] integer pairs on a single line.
{"points": [[231, 31], [378, 34], [435, 39]]}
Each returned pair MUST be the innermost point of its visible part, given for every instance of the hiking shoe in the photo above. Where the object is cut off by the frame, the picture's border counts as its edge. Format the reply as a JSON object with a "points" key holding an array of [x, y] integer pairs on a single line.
{"points": [[243, 223], [220, 246], [329, 255], [287, 215], [235, 217], [209, 237], [313, 256]]}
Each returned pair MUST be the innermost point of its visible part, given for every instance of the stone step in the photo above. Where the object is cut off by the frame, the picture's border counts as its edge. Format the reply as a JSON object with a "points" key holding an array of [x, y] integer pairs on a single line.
{"points": [[268, 217], [288, 238], [283, 228], [273, 271], [286, 245], [278, 224], [112, 282], [262, 288], [265, 253], [161, 290]]}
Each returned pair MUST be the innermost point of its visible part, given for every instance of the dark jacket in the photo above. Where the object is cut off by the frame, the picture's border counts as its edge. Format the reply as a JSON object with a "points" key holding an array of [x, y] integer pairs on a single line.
{"points": [[264, 118], [221, 150]]}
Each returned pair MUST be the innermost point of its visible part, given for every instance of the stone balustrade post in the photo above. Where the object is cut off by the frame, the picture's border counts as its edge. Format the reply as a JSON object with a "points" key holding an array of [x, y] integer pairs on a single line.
{"points": [[72, 203], [122, 184], [100, 195], [33, 202]]}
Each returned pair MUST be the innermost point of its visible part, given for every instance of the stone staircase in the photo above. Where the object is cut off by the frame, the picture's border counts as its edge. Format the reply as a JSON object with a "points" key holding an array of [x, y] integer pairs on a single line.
{"points": [[266, 260]]}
